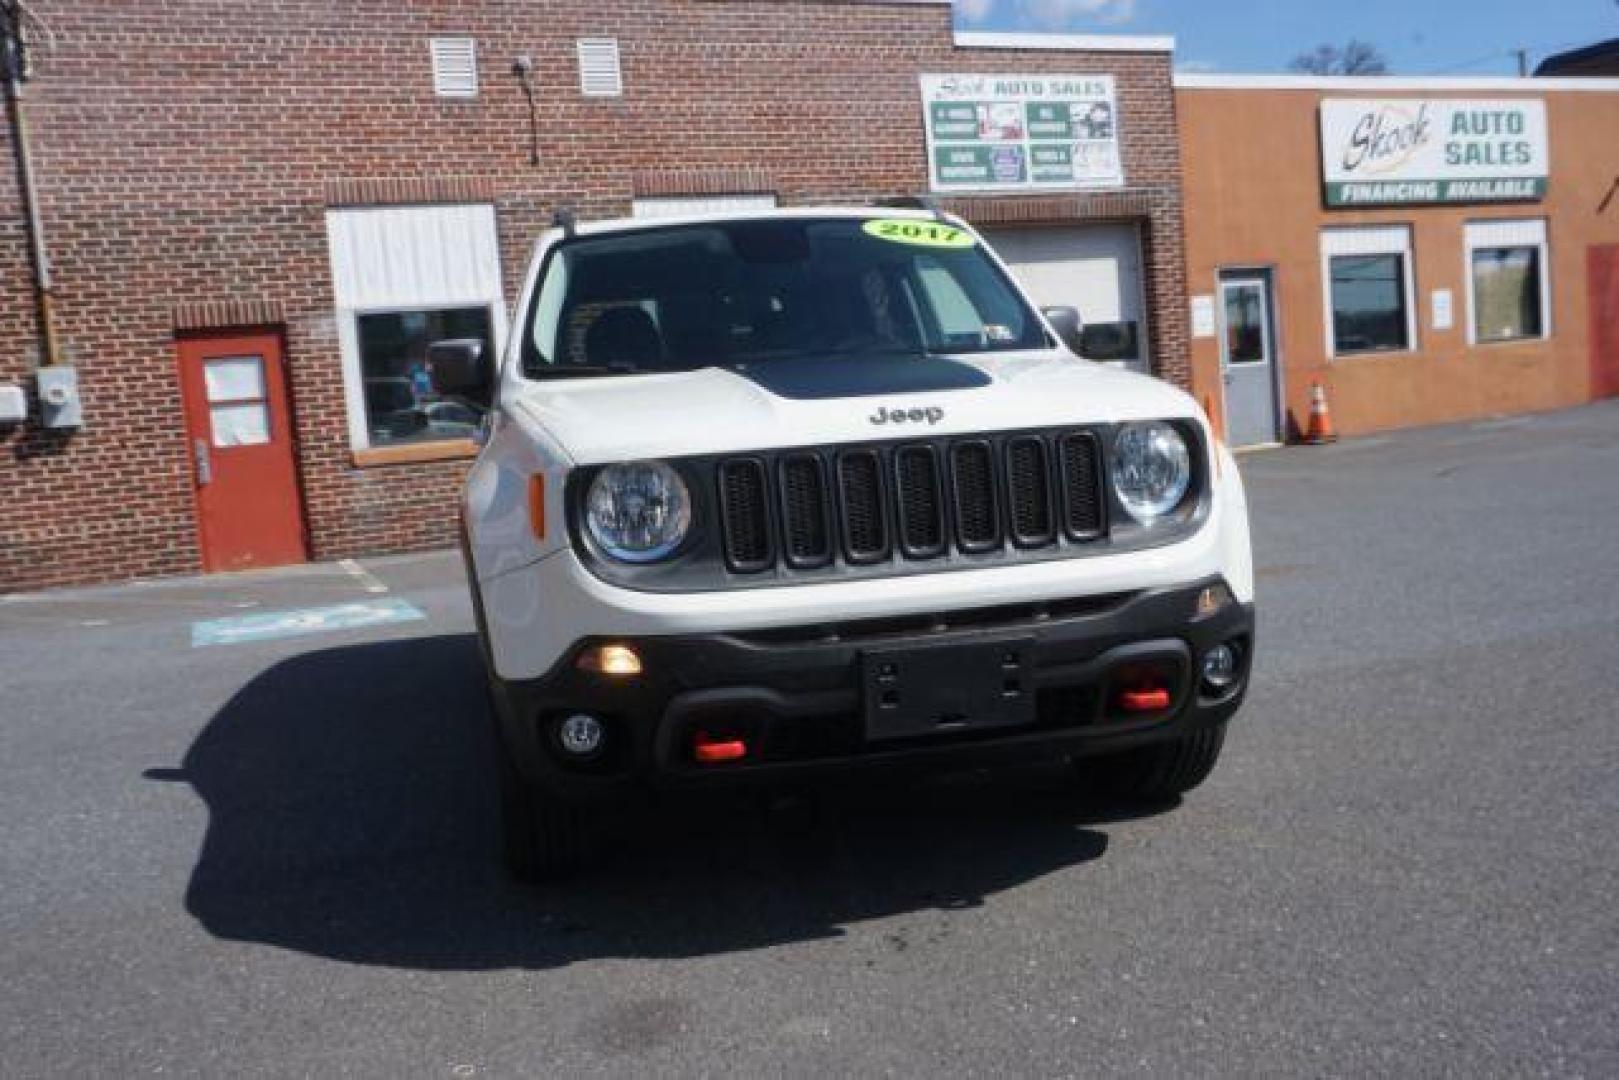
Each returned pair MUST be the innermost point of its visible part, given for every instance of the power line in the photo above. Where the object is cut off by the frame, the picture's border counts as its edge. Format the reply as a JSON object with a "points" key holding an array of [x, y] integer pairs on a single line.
{"points": [[1467, 65], [1501, 54]]}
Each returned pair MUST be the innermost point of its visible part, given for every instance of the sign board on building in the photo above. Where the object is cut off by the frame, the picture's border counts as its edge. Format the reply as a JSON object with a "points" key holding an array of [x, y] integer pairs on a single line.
{"points": [[1021, 132], [1444, 309], [1203, 325], [1394, 151]]}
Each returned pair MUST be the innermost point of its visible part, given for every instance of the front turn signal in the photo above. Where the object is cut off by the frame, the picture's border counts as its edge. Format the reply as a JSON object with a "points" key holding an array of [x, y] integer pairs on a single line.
{"points": [[1213, 599], [536, 505]]}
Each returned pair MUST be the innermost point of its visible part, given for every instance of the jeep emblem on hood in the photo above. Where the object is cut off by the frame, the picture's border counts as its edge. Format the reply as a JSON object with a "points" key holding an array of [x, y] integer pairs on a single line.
{"points": [[907, 416]]}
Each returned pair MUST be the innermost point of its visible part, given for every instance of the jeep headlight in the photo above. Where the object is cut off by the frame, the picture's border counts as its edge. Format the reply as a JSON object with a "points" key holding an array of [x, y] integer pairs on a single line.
{"points": [[638, 512], [1152, 468]]}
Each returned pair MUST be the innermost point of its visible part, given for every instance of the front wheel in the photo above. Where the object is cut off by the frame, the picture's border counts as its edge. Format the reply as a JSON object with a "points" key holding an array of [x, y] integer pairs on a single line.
{"points": [[1155, 773], [543, 837]]}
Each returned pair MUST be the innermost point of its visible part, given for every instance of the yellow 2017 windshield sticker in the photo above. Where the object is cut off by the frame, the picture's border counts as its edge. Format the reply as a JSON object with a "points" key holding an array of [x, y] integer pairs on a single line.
{"points": [[935, 234]]}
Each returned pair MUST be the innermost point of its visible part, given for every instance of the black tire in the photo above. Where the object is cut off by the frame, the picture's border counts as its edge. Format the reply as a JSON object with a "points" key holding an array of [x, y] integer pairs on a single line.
{"points": [[1154, 774], [543, 838]]}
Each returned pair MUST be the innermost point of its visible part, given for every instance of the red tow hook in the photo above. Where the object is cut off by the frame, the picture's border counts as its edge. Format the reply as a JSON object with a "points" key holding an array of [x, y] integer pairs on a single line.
{"points": [[708, 750], [1144, 699]]}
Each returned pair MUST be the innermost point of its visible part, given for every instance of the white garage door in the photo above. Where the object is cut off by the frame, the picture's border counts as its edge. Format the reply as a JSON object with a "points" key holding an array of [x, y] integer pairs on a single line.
{"points": [[1095, 268]]}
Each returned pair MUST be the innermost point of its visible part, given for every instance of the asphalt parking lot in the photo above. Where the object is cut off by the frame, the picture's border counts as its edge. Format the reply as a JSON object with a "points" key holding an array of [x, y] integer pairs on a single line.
{"points": [[278, 855]]}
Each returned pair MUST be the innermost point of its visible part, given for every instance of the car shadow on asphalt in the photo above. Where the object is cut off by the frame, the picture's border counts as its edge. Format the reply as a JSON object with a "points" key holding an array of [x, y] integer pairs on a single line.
{"points": [[352, 816]]}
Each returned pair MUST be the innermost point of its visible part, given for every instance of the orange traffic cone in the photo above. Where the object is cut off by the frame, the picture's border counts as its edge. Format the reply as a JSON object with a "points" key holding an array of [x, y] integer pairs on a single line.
{"points": [[1320, 418]]}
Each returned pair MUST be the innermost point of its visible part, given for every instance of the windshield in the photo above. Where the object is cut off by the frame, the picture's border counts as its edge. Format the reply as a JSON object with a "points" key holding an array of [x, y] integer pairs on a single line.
{"points": [[746, 292]]}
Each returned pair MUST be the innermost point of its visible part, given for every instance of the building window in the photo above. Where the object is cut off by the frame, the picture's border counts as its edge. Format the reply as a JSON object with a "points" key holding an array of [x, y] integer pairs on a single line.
{"points": [[1369, 290], [238, 402], [1507, 280], [405, 277], [401, 403], [1368, 304], [1506, 293]]}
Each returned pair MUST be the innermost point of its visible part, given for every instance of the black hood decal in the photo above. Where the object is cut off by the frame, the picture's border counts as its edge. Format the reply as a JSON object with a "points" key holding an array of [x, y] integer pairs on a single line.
{"points": [[819, 380]]}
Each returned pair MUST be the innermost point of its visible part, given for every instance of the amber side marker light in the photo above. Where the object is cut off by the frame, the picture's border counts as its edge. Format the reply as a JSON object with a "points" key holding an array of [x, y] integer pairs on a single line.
{"points": [[536, 505], [619, 660], [1212, 600]]}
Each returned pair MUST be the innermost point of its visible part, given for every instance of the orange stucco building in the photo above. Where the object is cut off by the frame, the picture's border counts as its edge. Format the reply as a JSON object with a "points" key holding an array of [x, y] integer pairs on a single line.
{"points": [[1427, 250]]}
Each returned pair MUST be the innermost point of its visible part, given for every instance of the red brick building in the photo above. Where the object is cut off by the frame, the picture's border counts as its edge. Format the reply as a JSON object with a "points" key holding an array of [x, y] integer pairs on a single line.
{"points": [[321, 186]]}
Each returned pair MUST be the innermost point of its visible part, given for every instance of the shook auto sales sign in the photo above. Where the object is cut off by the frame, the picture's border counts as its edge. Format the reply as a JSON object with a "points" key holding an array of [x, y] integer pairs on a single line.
{"points": [[1395, 151], [1020, 132]]}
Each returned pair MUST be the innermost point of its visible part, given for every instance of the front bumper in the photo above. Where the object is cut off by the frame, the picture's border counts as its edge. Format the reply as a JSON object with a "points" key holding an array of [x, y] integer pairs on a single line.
{"points": [[797, 698]]}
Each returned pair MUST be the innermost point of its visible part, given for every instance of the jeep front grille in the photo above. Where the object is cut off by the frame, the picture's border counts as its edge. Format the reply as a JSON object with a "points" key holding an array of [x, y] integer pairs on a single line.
{"points": [[1028, 471], [806, 512], [920, 501], [863, 506], [916, 501], [1082, 497], [976, 494], [745, 506]]}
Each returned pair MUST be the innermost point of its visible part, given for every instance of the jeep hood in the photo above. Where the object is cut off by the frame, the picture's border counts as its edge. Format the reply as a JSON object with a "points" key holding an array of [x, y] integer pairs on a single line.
{"points": [[807, 403]]}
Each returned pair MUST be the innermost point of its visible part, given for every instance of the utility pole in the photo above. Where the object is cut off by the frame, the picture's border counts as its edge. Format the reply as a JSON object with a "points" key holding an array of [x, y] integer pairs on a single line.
{"points": [[1523, 62]]}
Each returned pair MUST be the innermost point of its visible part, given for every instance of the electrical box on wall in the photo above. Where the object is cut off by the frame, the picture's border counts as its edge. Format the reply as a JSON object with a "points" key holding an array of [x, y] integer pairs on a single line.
{"points": [[13, 404], [59, 397]]}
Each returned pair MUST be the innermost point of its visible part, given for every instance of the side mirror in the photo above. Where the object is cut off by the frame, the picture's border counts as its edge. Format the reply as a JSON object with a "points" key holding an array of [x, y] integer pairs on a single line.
{"points": [[1067, 323], [456, 366], [1109, 341]]}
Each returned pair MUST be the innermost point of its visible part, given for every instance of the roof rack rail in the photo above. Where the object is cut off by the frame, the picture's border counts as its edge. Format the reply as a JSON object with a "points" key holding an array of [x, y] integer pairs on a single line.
{"points": [[565, 219], [913, 202]]}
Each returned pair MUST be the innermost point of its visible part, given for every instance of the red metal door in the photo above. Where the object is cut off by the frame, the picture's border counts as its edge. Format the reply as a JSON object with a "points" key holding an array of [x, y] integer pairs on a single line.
{"points": [[239, 432], [1603, 273]]}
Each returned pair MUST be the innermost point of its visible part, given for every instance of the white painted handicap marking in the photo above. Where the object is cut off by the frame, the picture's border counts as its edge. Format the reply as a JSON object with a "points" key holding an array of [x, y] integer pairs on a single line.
{"points": [[270, 625]]}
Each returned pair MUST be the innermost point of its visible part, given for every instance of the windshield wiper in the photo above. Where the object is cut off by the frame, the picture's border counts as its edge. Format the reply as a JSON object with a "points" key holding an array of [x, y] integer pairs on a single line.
{"points": [[818, 356], [579, 371], [921, 352], [885, 352]]}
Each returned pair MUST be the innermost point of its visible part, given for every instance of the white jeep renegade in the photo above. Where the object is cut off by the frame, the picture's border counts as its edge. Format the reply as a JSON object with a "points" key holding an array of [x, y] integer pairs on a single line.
{"points": [[767, 495]]}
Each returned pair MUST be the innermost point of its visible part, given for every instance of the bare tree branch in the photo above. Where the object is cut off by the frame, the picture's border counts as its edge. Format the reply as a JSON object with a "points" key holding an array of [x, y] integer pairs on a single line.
{"points": [[1356, 58]]}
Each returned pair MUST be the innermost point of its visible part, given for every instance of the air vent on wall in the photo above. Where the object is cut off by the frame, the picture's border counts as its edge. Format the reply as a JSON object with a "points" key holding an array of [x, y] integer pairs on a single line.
{"points": [[455, 67], [599, 74]]}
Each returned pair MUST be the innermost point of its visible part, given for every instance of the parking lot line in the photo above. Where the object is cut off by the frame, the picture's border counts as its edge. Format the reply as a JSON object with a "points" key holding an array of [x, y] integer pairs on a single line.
{"points": [[366, 578]]}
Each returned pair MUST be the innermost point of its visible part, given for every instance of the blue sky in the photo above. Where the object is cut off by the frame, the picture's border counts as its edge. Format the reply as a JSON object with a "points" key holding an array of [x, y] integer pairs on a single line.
{"points": [[1419, 37]]}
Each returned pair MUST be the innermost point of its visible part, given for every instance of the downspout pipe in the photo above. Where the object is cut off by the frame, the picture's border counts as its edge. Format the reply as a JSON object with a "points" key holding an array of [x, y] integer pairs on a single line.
{"points": [[13, 60]]}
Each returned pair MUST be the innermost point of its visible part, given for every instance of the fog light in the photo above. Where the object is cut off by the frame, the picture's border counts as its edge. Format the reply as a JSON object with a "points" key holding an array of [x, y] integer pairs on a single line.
{"points": [[1220, 667], [581, 734], [610, 660]]}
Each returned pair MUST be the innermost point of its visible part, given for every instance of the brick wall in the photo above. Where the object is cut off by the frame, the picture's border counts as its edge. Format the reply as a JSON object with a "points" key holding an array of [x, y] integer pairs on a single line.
{"points": [[1246, 213], [187, 153]]}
